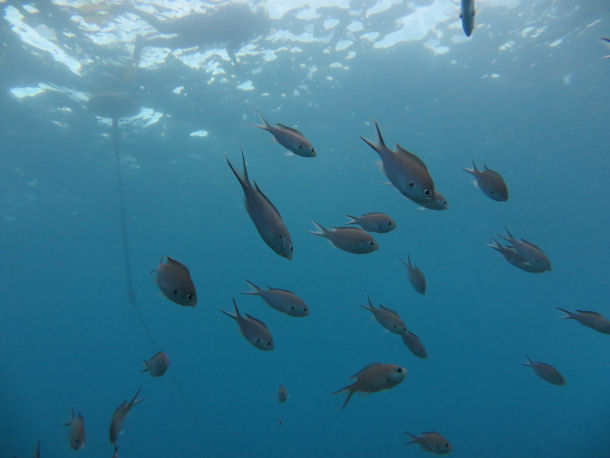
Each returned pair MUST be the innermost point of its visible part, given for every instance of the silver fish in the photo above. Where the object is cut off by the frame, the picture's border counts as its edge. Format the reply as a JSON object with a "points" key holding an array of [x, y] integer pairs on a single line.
{"points": [[157, 365], [254, 330], [416, 277], [514, 258], [289, 138], [431, 442], [373, 222], [588, 318], [414, 344], [530, 253], [490, 182], [282, 394], [77, 431], [467, 16], [119, 415], [545, 371], [280, 299], [386, 317], [174, 281], [350, 239], [264, 215], [405, 170], [373, 378]]}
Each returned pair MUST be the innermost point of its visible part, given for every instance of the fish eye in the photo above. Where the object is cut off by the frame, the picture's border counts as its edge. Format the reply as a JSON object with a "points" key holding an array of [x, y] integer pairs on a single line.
{"points": [[292, 307], [427, 192], [189, 297], [399, 370], [411, 184], [300, 146], [268, 344], [258, 340], [175, 292]]}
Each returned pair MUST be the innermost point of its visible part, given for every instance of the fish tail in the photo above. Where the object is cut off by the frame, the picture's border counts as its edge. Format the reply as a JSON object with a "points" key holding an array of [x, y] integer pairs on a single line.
{"points": [[370, 303], [414, 441], [145, 366], [236, 173], [235, 305], [352, 219], [349, 395], [529, 362], [379, 136], [473, 170], [370, 143], [228, 314], [256, 291], [267, 125], [135, 399], [569, 315], [320, 228]]}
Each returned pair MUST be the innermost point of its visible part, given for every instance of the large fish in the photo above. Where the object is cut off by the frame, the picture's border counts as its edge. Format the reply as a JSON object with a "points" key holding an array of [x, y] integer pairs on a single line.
{"points": [[253, 329], [545, 371], [387, 318], [530, 253], [289, 138], [119, 415], [373, 378], [467, 16], [350, 239], [588, 318], [174, 280], [405, 170], [264, 215], [280, 299], [431, 441], [490, 182], [77, 431]]}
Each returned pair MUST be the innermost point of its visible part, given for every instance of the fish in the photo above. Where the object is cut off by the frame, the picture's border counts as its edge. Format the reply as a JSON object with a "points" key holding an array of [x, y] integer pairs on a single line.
{"points": [[588, 318], [37, 454], [438, 203], [511, 255], [431, 442], [282, 394], [387, 318], [174, 280], [77, 431], [264, 215], [407, 172], [490, 182], [414, 344], [530, 253], [467, 16], [254, 330], [545, 371], [373, 222], [289, 138], [350, 239], [416, 277], [157, 365], [119, 415], [280, 299]]}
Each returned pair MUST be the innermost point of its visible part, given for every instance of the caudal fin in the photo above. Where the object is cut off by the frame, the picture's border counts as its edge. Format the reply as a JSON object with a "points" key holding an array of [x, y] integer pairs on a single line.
{"points": [[568, 316], [256, 291], [321, 230], [349, 395]]}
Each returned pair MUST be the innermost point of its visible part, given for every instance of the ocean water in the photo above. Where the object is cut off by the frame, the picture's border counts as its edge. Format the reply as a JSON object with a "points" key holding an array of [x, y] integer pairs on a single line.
{"points": [[527, 94]]}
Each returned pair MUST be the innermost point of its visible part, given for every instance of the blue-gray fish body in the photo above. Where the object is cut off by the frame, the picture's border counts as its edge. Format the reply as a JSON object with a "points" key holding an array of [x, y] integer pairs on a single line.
{"points": [[253, 329], [414, 344], [77, 431], [467, 15], [119, 415], [490, 182], [590, 319], [373, 222], [431, 441], [387, 318], [157, 365], [174, 281], [545, 372], [264, 215], [530, 253], [280, 299], [350, 239], [282, 394], [289, 138], [514, 258], [416, 276], [405, 170]]}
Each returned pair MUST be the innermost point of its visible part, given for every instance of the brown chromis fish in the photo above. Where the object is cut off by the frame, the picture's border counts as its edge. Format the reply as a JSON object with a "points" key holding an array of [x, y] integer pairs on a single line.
{"points": [[431, 442], [529, 255], [157, 365], [386, 317], [416, 276], [373, 222], [119, 415], [282, 394], [280, 299], [414, 344], [289, 138], [77, 431], [545, 371], [350, 239], [588, 318], [490, 182], [174, 281], [253, 329]]}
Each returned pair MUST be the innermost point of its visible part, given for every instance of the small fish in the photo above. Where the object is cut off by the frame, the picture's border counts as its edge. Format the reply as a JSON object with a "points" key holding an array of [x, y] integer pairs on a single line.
{"points": [[490, 182], [174, 281], [438, 203], [77, 431], [590, 319], [282, 394], [405, 170], [280, 299], [431, 442], [157, 365], [289, 138], [511, 255], [467, 16], [373, 222], [530, 253], [119, 415], [254, 330], [349, 239], [373, 378], [545, 371], [264, 215], [416, 277], [415, 345], [387, 318]]}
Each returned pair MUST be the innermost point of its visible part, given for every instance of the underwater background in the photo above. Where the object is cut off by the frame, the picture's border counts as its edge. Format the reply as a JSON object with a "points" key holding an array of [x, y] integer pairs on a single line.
{"points": [[527, 94]]}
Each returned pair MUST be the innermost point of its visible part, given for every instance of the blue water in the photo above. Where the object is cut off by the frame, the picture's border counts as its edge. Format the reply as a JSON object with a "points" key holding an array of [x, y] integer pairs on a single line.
{"points": [[69, 337]]}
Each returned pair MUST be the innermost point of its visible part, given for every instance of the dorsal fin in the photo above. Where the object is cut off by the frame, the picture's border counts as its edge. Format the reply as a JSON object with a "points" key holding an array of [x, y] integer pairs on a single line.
{"points": [[364, 368], [291, 129], [250, 317], [266, 198], [412, 156]]}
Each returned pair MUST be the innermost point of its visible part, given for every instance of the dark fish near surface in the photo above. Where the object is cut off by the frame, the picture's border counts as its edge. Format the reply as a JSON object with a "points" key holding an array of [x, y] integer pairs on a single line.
{"points": [[514, 258], [545, 371], [416, 277], [119, 415], [386, 317], [157, 365], [264, 215], [414, 344], [77, 431], [289, 138], [350, 239], [490, 182], [373, 378], [405, 170], [174, 281], [431, 442], [282, 394], [253, 329], [280, 299], [588, 318], [530, 253], [467, 15], [373, 222]]}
